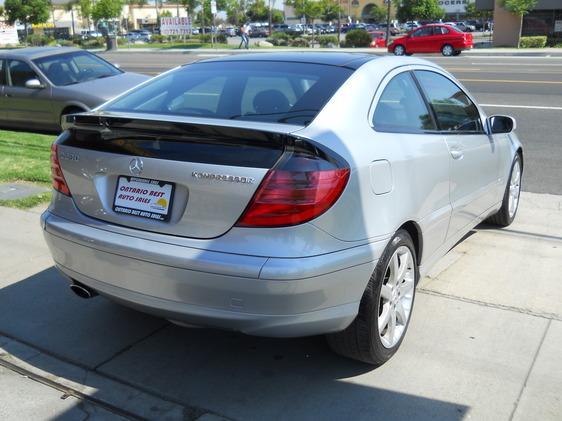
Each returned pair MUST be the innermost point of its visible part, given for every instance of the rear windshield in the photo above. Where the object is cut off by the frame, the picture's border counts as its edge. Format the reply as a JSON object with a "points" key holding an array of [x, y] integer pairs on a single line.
{"points": [[276, 92]]}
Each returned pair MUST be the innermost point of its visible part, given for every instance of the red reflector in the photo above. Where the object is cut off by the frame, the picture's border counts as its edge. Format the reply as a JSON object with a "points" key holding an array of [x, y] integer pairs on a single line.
{"points": [[292, 197], [59, 183]]}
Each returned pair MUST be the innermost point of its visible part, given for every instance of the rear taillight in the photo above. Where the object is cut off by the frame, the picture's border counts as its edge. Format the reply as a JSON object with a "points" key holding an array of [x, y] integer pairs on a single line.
{"points": [[59, 183], [302, 186]]}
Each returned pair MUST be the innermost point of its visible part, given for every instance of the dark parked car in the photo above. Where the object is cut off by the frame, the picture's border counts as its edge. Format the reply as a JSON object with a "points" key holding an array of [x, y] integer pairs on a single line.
{"points": [[40, 85]]}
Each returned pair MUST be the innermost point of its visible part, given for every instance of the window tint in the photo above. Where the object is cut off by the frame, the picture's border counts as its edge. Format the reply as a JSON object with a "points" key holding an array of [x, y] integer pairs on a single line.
{"points": [[20, 72], [423, 32], [452, 107], [291, 93], [2, 77], [440, 30], [401, 108], [75, 67]]}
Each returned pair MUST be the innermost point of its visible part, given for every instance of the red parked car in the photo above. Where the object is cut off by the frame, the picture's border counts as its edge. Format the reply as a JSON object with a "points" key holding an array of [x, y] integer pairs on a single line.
{"points": [[379, 39], [432, 38]]}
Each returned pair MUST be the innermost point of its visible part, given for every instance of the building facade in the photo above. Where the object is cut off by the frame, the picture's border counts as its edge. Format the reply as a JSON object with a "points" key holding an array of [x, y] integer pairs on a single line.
{"points": [[544, 19]]}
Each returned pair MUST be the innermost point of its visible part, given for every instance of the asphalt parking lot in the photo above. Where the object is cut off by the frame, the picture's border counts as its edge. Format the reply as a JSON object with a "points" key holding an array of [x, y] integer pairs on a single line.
{"points": [[484, 341]]}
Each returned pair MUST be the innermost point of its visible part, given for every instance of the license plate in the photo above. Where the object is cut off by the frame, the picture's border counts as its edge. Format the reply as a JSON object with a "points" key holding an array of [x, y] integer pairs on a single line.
{"points": [[145, 198]]}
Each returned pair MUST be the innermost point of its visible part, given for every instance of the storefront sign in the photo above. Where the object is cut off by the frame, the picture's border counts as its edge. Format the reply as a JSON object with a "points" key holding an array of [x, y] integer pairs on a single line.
{"points": [[453, 6], [558, 26], [8, 34], [175, 26]]}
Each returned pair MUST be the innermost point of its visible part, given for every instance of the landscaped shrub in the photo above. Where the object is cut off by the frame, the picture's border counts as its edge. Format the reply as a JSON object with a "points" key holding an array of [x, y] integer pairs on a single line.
{"points": [[279, 39], [93, 43], [298, 42], [357, 38], [66, 43], [206, 38], [327, 40], [532, 42], [38, 40]]}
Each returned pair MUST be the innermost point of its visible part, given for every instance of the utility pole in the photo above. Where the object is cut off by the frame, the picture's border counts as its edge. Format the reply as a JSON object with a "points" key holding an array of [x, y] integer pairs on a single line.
{"points": [[339, 23], [388, 22]]}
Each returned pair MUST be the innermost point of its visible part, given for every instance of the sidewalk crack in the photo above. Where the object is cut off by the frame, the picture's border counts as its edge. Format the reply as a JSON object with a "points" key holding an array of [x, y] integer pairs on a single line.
{"points": [[516, 403]]}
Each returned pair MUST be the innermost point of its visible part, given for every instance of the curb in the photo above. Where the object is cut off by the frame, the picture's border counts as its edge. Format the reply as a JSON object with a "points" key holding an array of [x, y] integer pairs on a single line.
{"points": [[99, 390], [527, 52]]}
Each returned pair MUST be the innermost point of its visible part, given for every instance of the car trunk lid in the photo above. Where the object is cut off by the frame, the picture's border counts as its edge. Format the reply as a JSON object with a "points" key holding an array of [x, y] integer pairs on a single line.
{"points": [[194, 177]]}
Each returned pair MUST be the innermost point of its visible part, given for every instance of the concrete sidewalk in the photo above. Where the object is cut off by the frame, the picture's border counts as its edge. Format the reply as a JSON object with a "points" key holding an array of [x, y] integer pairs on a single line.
{"points": [[484, 343]]}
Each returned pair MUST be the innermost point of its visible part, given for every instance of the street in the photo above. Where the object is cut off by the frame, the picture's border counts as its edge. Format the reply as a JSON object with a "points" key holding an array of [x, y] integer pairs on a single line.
{"points": [[527, 88]]}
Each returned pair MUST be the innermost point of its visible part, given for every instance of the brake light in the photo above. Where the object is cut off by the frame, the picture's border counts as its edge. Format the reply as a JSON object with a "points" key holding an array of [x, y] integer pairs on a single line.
{"points": [[59, 183], [299, 189]]}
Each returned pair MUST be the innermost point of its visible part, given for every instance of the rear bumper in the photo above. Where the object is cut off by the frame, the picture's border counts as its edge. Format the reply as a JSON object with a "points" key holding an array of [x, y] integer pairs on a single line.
{"points": [[283, 297]]}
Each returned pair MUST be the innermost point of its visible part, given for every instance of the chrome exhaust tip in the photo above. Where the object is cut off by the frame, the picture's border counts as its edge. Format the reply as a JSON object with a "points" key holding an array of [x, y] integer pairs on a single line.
{"points": [[82, 290]]}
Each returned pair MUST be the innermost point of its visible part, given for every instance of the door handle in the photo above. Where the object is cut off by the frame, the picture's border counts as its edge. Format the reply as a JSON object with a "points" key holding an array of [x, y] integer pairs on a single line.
{"points": [[456, 154]]}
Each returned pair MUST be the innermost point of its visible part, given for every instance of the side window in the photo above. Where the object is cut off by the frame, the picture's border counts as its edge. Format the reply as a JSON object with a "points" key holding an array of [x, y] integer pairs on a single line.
{"points": [[2, 76], [20, 72], [452, 107], [441, 30], [401, 108], [423, 32]]}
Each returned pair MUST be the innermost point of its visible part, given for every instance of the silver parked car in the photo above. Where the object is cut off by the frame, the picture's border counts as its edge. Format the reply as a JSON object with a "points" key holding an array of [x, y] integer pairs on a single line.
{"points": [[40, 85], [279, 194]]}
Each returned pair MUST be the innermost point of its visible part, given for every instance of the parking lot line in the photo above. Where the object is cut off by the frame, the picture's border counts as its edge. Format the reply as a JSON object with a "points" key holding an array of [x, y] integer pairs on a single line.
{"points": [[535, 82], [532, 107]]}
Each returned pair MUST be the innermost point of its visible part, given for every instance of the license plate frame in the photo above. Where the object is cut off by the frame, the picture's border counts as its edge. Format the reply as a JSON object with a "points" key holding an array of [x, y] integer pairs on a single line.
{"points": [[129, 186]]}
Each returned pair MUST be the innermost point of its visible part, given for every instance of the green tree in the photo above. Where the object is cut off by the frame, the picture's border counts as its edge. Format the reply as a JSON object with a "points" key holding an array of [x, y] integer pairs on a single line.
{"points": [[329, 10], [258, 11], [27, 11], [309, 9], [107, 9], [519, 7], [85, 8], [418, 9], [235, 11], [377, 14]]}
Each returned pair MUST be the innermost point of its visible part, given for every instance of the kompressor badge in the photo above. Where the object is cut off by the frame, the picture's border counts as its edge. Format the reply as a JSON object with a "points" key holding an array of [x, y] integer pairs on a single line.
{"points": [[222, 177]]}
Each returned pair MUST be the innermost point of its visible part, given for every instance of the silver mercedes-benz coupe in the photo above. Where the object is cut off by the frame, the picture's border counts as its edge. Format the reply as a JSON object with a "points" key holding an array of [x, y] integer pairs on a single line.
{"points": [[279, 194]]}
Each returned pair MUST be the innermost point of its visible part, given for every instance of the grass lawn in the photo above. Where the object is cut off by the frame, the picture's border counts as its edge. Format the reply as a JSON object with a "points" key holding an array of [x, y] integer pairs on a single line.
{"points": [[25, 157]]}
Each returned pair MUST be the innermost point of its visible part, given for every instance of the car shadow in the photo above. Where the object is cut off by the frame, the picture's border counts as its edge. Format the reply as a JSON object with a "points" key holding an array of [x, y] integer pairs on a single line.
{"points": [[238, 376]]}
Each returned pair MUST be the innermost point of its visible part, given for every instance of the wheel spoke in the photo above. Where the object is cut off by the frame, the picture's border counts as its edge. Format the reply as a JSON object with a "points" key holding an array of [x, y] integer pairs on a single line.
{"points": [[404, 264], [386, 292], [384, 318], [391, 326], [406, 287], [401, 314], [394, 269]]}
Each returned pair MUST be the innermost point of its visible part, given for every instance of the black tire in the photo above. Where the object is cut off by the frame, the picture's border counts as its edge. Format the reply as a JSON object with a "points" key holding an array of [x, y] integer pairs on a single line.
{"points": [[360, 340], [457, 53], [502, 218], [447, 50]]}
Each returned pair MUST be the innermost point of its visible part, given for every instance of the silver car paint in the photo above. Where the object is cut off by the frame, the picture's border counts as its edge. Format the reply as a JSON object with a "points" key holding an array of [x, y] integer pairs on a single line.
{"points": [[41, 109], [310, 278]]}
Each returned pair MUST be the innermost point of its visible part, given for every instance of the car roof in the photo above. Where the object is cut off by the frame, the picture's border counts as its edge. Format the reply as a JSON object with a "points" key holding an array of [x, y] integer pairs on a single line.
{"points": [[350, 60], [36, 52]]}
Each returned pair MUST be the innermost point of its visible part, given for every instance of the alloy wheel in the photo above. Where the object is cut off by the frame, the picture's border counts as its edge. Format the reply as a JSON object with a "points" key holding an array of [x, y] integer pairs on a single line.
{"points": [[397, 296], [514, 188], [447, 50]]}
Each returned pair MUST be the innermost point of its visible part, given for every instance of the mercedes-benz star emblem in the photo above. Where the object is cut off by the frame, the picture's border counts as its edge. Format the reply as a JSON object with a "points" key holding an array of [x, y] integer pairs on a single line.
{"points": [[135, 166]]}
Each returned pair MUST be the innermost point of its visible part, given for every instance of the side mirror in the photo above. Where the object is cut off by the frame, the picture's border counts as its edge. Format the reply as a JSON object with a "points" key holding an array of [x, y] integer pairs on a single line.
{"points": [[501, 124], [34, 84]]}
